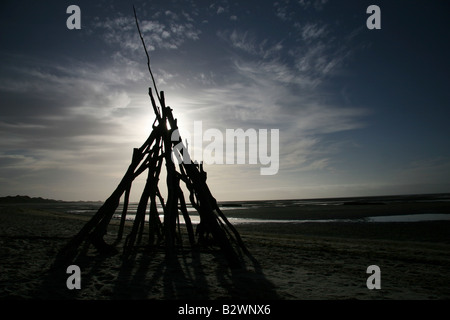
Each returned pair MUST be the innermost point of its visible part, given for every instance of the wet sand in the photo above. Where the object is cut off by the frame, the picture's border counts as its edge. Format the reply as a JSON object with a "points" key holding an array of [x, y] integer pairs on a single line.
{"points": [[325, 261]]}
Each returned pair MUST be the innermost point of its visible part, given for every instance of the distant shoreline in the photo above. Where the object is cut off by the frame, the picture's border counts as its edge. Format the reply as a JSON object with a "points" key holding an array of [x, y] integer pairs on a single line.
{"points": [[350, 200], [27, 199]]}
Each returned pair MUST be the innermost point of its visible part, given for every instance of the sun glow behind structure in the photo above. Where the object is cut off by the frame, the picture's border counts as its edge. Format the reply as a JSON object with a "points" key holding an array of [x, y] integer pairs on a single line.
{"points": [[348, 101]]}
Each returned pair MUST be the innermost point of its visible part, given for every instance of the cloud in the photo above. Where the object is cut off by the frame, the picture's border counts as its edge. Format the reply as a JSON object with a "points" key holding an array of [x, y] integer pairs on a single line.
{"points": [[270, 95], [273, 85], [243, 42], [312, 31], [16, 161], [276, 71], [58, 91], [316, 4], [282, 11], [286, 10], [167, 31], [316, 54], [248, 42], [70, 117]]}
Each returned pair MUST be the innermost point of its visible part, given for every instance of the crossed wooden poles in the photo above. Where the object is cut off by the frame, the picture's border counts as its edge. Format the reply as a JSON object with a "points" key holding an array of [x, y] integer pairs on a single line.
{"points": [[150, 157]]}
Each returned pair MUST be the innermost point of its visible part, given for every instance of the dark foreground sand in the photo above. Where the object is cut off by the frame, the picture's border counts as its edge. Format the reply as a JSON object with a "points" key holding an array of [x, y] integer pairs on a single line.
{"points": [[296, 261]]}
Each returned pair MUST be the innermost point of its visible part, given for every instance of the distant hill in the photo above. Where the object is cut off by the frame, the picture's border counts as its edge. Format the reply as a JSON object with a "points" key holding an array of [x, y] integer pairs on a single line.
{"points": [[25, 199]]}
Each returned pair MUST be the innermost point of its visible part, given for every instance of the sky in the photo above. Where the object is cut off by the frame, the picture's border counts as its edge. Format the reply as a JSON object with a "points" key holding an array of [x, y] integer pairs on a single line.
{"points": [[359, 111]]}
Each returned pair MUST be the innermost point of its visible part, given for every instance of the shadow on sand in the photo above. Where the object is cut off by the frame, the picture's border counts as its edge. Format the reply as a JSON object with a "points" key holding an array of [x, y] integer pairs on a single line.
{"points": [[190, 274]]}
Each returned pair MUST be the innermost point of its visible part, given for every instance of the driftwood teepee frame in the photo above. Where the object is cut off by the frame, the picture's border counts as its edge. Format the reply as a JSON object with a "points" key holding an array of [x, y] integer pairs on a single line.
{"points": [[149, 158]]}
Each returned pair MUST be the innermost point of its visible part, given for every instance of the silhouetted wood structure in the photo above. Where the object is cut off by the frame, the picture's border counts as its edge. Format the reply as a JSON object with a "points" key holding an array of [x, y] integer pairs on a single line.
{"points": [[149, 159]]}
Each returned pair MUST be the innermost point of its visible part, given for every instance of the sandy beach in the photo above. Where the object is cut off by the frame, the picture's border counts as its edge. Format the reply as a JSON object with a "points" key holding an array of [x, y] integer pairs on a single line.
{"points": [[304, 261]]}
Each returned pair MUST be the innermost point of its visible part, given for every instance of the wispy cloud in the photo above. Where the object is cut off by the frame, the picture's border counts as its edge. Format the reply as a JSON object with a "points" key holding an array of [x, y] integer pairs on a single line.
{"points": [[249, 43], [316, 4], [270, 85], [269, 95], [312, 31], [71, 115], [286, 10], [282, 11], [62, 90], [167, 30]]}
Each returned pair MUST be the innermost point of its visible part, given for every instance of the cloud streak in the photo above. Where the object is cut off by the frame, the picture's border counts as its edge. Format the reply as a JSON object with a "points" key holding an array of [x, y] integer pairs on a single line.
{"points": [[270, 96], [74, 118], [166, 30]]}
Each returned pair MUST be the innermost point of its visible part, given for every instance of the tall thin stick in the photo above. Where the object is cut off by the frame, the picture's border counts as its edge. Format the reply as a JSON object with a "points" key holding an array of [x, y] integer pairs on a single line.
{"points": [[146, 52]]}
